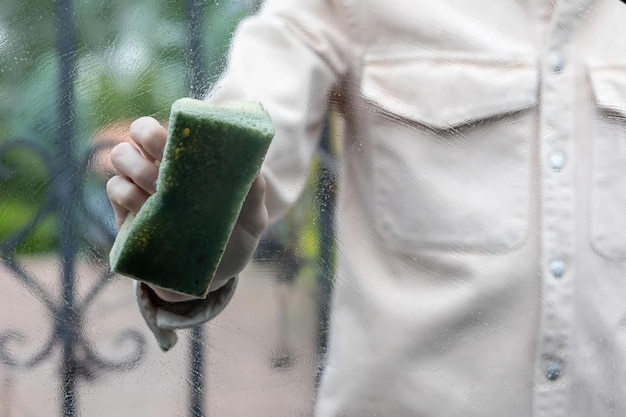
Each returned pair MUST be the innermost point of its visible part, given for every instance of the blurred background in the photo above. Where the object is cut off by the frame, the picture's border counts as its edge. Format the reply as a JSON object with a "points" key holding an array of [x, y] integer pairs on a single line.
{"points": [[73, 75]]}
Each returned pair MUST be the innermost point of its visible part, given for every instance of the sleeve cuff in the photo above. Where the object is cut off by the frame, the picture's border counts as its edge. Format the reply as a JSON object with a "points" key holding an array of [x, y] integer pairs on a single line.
{"points": [[164, 318]]}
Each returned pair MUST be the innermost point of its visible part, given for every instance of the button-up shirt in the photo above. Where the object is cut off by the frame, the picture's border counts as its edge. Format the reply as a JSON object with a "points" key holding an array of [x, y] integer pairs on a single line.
{"points": [[482, 200]]}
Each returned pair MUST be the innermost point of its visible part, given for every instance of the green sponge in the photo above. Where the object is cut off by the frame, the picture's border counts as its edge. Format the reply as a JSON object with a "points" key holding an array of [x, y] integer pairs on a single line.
{"points": [[212, 156]]}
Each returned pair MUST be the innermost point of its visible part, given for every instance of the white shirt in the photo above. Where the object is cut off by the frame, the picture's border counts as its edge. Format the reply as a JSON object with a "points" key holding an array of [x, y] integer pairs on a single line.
{"points": [[482, 199]]}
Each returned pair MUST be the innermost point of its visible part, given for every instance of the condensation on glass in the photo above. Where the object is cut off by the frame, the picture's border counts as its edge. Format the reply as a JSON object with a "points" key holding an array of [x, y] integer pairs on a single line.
{"points": [[72, 341]]}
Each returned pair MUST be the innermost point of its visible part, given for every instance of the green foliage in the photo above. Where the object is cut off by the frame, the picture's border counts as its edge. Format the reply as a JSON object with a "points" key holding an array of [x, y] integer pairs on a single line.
{"points": [[130, 61], [23, 190], [17, 214]]}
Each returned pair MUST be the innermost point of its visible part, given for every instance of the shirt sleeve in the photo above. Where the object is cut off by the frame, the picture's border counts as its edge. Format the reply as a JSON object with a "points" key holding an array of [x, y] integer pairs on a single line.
{"points": [[288, 57], [164, 318]]}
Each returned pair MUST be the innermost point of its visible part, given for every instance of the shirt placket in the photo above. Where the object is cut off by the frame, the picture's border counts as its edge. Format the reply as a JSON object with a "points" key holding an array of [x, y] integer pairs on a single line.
{"points": [[557, 158], [556, 235]]}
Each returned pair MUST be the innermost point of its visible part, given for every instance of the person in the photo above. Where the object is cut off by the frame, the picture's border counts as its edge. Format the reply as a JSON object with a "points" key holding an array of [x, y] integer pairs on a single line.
{"points": [[482, 198]]}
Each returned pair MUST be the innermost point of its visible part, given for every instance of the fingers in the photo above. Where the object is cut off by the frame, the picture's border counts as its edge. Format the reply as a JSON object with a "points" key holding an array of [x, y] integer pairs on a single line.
{"points": [[125, 197], [136, 166], [129, 162], [149, 136], [246, 234], [253, 217]]}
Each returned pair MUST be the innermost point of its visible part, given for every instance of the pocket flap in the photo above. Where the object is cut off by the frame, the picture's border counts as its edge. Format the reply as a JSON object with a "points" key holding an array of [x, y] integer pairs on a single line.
{"points": [[445, 93], [609, 88]]}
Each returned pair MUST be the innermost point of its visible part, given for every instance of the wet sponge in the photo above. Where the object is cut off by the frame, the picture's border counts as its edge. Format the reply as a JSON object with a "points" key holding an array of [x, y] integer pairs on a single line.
{"points": [[212, 156]]}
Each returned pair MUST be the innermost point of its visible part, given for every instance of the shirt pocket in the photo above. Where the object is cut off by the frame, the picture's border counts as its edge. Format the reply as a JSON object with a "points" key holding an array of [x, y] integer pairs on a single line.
{"points": [[451, 142], [608, 186]]}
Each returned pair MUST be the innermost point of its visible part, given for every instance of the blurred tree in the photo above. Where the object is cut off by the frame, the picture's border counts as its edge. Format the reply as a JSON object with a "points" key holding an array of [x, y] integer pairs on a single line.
{"points": [[130, 62]]}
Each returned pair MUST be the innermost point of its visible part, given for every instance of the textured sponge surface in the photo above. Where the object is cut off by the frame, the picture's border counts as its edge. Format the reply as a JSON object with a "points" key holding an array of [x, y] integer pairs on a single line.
{"points": [[212, 156]]}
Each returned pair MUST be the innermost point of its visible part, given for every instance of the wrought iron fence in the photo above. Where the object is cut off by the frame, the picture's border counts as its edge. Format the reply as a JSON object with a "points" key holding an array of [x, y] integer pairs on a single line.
{"points": [[66, 198], [67, 168]]}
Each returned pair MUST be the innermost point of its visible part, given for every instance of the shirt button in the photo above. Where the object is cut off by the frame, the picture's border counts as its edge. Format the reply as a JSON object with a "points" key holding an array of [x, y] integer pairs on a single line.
{"points": [[557, 62], [557, 161], [557, 268], [553, 372]]}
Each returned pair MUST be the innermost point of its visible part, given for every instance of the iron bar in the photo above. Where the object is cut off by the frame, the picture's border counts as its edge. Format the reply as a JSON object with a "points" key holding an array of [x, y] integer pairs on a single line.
{"points": [[196, 82], [326, 208], [67, 320], [67, 171]]}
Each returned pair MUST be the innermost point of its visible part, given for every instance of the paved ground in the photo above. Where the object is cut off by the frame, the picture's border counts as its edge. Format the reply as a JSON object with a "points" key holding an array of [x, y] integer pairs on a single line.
{"points": [[241, 344]]}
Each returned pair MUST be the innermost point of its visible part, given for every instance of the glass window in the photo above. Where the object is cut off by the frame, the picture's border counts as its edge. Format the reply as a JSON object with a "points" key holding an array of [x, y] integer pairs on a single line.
{"points": [[73, 75]]}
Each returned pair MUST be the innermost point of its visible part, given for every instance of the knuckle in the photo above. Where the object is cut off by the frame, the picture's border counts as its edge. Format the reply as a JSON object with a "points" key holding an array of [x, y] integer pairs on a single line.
{"points": [[112, 185], [123, 193], [130, 199], [118, 152], [143, 128], [137, 125]]}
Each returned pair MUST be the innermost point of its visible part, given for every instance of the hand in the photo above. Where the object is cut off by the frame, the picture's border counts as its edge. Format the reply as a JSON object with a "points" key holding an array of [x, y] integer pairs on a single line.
{"points": [[137, 163]]}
